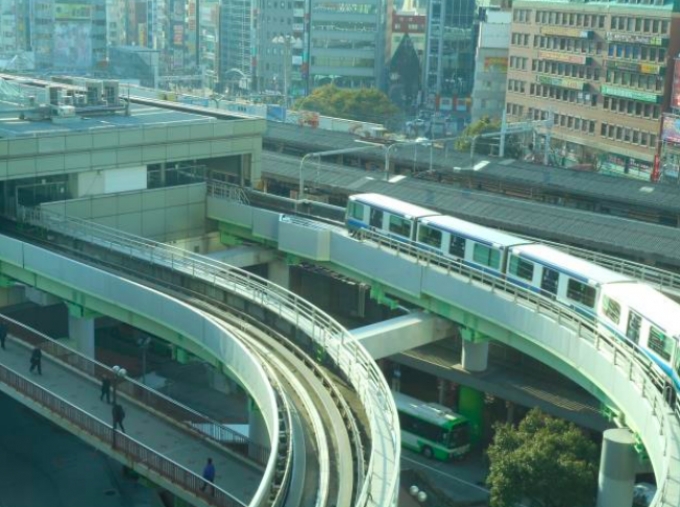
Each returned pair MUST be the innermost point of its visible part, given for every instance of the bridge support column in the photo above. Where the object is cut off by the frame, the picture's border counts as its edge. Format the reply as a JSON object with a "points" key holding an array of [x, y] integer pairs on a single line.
{"points": [[618, 463], [279, 273], [471, 405], [258, 434], [10, 294], [475, 350], [81, 330]]}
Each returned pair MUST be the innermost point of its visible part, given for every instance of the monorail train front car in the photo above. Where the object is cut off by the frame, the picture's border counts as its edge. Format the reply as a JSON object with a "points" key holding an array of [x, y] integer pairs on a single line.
{"points": [[646, 317], [385, 214]]}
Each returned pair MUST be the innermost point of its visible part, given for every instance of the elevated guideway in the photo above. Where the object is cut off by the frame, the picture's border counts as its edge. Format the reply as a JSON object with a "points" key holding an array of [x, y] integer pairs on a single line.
{"points": [[159, 442], [490, 309], [104, 292], [376, 471]]}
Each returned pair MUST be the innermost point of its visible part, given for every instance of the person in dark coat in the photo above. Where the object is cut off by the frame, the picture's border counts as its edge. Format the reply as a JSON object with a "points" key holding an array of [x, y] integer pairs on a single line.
{"points": [[208, 473], [118, 415], [3, 335], [106, 389], [36, 360]]}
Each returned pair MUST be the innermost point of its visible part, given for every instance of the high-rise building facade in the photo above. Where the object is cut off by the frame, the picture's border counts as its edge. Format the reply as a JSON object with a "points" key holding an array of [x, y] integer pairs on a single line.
{"points": [[449, 50], [603, 74], [491, 66], [347, 43], [68, 36], [238, 45]]}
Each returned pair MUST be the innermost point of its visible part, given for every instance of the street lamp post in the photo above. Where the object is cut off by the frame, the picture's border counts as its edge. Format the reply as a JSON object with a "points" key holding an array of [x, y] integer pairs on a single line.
{"points": [[118, 375]]}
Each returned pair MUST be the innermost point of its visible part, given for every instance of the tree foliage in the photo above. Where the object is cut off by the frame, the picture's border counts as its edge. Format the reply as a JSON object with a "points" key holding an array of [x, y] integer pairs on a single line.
{"points": [[484, 145], [546, 461], [366, 104]]}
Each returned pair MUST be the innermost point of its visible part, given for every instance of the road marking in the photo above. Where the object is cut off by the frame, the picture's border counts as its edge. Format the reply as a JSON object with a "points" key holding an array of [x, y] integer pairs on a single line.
{"points": [[404, 458]]}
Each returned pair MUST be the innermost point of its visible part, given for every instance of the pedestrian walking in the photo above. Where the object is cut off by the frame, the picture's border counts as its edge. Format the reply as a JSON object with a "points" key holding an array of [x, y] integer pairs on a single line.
{"points": [[106, 389], [118, 415], [208, 473], [36, 360], [3, 335]]}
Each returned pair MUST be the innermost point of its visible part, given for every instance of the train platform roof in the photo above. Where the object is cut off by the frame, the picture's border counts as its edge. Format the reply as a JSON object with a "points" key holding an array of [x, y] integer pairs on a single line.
{"points": [[607, 233], [313, 138], [600, 187], [561, 181]]}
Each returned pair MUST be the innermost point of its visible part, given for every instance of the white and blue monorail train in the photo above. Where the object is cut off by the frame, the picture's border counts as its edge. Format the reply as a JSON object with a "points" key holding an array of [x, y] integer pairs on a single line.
{"points": [[645, 316]]}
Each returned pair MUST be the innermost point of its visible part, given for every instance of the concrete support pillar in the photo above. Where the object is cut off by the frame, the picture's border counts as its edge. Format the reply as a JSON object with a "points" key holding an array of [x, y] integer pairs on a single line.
{"points": [[471, 405], [279, 273], [11, 295], [475, 356], [258, 434], [81, 330], [618, 462], [475, 350]]}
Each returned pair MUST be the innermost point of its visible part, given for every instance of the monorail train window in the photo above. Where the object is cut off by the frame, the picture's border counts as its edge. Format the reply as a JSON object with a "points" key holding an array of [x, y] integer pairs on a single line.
{"points": [[611, 309], [482, 254], [457, 246], [356, 210], [521, 268], [633, 328], [581, 293], [401, 226], [658, 343], [376, 219], [430, 236]]}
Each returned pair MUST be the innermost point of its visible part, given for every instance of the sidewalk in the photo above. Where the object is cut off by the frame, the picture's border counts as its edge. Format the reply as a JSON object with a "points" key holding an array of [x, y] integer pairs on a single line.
{"points": [[233, 476]]}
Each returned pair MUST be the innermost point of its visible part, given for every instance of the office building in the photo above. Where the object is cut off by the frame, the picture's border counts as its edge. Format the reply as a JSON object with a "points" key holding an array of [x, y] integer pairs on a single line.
{"points": [[491, 66], [602, 74], [449, 52], [348, 43]]}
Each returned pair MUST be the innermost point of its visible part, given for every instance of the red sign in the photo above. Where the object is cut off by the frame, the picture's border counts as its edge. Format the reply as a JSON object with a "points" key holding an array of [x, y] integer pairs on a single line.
{"points": [[675, 93]]}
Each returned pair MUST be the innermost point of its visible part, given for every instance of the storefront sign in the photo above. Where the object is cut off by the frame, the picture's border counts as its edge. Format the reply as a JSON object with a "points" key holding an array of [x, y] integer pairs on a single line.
{"points": [[496, 64], [562, 57], [565, 32], [643, 68], [650, 40], [625, 93], [572, 84], [670, 132]]}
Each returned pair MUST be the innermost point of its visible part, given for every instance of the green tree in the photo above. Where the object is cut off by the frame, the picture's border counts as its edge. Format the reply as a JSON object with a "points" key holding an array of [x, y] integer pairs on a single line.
{"points": [[366, 104], [484, 145], [545, 461]]}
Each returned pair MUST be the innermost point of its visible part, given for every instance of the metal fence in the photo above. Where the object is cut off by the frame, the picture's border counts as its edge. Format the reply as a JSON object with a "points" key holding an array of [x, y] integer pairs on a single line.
{"points": [[188, 420], [121, 443]]}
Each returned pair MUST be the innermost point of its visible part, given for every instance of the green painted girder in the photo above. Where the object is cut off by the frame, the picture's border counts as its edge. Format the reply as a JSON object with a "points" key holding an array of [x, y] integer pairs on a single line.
{"points": [[92, 305]]}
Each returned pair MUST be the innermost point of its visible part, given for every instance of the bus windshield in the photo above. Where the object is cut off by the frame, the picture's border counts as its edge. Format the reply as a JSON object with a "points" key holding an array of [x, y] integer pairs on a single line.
{"points": [[459, 435]]}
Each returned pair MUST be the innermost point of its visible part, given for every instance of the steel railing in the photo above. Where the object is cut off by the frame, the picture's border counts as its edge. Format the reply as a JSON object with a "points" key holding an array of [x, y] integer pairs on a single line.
{"points": [[187, 419], [121, 443], [350, 356]]}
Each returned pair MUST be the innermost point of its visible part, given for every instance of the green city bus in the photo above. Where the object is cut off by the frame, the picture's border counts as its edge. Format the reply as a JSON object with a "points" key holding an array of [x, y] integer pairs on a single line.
{"points": [[432, 429]]}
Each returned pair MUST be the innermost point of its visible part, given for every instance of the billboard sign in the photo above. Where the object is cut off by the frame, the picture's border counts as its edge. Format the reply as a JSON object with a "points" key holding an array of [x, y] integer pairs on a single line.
{"points": [[670, 132], [615, 91], [562, 57], [675, 92], [72, 11]]}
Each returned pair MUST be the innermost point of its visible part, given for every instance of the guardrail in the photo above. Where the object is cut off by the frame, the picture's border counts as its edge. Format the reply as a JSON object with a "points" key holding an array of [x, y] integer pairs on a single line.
{"points": [[120, 442], [381, 484], [188, 419], [649, 274], [654, 386]]}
